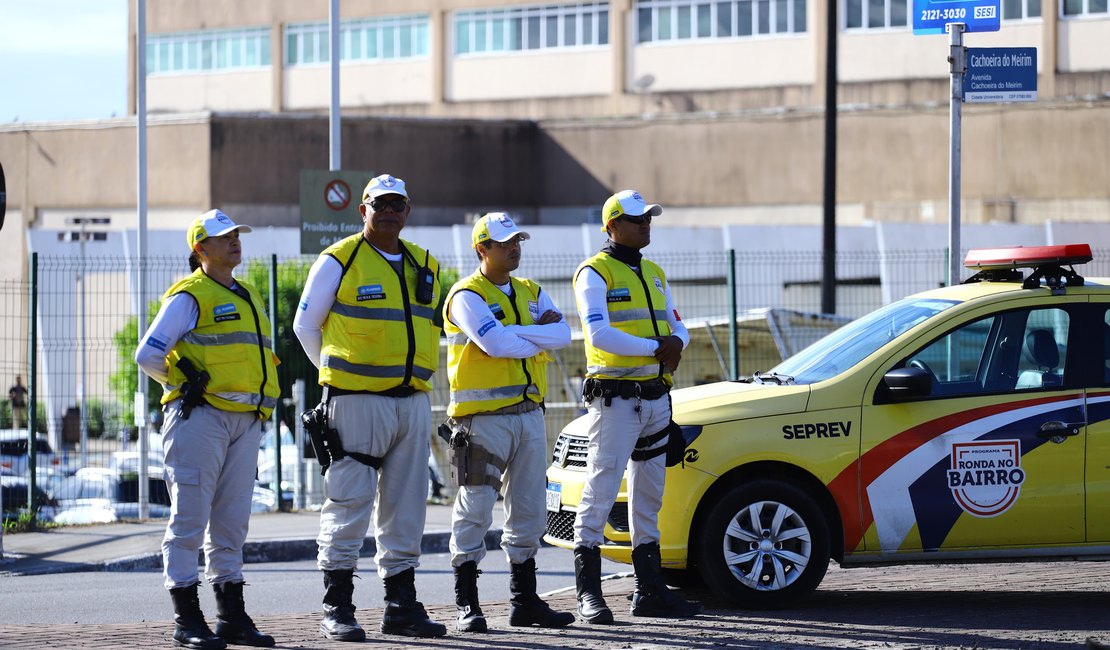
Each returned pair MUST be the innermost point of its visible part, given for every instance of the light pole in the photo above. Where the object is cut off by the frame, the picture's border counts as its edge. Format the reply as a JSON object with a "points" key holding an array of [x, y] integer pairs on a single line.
{"points": [[83, 381]]}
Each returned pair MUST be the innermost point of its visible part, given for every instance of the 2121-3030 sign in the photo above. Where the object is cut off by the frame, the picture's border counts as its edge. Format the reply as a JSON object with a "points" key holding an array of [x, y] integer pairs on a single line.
{"points": [[932, 16]]}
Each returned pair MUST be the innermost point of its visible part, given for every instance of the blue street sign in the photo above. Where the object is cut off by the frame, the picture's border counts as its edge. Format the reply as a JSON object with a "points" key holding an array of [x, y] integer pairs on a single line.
{"points": [[930, 16], [1001, 74]]}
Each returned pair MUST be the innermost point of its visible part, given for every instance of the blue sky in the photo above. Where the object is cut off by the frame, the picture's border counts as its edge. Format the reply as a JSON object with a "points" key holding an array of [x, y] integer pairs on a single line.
{"points": [[62, 59]]}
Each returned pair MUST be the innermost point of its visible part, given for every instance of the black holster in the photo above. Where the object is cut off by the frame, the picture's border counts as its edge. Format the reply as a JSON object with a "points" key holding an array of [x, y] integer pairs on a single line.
{"points": [[192, 392], [675, 447], [326, 443]]}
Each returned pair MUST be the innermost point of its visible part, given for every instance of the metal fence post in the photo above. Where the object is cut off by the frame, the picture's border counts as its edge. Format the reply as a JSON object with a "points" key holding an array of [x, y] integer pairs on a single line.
{"points": [[32, 385], [275, 416], [733, 348]]}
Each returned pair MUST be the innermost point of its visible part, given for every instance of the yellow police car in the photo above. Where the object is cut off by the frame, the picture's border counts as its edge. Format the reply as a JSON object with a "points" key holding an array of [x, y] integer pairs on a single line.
{"points": [[959, 424]]}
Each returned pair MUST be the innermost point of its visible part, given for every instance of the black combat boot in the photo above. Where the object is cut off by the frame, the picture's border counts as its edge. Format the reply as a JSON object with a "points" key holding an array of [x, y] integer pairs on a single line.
{"points": [[404, 614], [189, 628], [587, 578], [652, 597], [527, 608], [232, 623], [339, 622], [471, 618]]}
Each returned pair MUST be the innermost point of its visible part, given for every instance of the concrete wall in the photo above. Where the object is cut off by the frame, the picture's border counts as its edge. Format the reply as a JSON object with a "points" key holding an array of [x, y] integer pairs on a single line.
{"points": [[227, 90]]}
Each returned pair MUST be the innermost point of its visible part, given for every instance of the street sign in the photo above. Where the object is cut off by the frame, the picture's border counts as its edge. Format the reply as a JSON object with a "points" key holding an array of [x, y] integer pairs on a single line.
{"points": [[1001, 74], [931, 16], [327, 213]]}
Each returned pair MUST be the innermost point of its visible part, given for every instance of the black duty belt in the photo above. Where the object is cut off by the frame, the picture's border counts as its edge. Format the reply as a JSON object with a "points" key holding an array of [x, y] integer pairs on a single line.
{"points": [[397, 391], [625, 389]]}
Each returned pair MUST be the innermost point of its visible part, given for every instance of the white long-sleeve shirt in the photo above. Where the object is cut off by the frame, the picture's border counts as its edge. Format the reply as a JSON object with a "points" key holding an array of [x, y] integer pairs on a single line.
{"points": [[474, 317], [177, 316], [593, 308], [317, 298]]}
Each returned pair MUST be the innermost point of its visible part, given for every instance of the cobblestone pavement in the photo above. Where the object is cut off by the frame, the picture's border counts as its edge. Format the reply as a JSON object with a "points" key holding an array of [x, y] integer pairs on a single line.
{"points": [[1033, 605]]}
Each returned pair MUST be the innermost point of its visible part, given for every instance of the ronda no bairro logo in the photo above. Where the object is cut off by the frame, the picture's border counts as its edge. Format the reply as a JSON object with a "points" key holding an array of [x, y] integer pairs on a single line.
{"points": [[985, 477]]}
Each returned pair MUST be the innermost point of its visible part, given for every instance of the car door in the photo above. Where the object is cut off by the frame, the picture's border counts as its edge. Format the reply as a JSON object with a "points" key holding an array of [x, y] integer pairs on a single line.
{"points": [[1098, 427], [994, 454]]}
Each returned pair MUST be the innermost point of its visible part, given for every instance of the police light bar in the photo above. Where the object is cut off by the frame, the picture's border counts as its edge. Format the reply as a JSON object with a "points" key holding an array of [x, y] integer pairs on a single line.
{"points": [[1025, 257]]}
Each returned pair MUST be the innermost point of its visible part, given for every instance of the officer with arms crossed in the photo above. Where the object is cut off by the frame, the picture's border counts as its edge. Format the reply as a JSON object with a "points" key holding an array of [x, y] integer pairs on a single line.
{"points": [[369, 320], [209, 348], [634, 341], [498, 328]]}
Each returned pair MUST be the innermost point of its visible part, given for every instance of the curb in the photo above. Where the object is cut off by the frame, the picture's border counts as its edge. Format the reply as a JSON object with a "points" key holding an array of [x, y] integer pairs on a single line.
{"points": [[254, 552]]}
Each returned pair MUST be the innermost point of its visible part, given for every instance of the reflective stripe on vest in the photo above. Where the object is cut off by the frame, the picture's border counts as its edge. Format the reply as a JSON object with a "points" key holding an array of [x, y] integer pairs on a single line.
{"points": [[633, 301], [368, 344], [481, 383], [228, 343]]}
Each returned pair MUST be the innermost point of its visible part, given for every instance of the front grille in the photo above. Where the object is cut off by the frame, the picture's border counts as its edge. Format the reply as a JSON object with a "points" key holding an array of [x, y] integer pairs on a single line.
{"points": [[560, 525], [569, 451], [618, 517]]}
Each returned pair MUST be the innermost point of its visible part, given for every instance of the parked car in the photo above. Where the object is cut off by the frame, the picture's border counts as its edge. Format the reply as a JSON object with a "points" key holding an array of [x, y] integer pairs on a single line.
{"points": [[98, 495], [966, 423], [266, 461], [13, 499], [13, 452]]}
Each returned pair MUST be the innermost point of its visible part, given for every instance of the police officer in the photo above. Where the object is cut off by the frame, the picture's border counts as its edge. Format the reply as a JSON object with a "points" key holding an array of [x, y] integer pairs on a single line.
{"points": [[498, 328], [634, 341], [209, 348], [369, 320]]}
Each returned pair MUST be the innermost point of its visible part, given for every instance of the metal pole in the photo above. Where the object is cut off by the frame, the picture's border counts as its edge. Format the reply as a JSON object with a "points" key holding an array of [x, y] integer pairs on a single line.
{"points": [[828, 228], [298, 441], [956, 57], [733, 348], [336, 153], [83, 390], [140, 128], [275, 417], [32, 384]]}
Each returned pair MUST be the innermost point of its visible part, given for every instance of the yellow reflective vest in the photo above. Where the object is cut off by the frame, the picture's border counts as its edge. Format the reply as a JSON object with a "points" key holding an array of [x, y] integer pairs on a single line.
{"points": [[231, 341], [481, 383], [378, 336], [637, 305]]}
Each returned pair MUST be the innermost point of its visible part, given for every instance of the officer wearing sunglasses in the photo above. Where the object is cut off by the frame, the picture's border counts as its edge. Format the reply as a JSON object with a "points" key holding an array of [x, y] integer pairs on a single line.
{"points": [[634, 341], [370, 320]]}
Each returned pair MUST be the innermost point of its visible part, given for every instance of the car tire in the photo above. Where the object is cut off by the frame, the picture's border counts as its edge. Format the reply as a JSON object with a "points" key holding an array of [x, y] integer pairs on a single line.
{"points": [[755, 565]]}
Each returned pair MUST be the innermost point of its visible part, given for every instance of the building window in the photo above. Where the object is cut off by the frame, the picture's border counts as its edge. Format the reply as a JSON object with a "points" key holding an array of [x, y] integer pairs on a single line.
{"points": [[364, 39], [1022, 9], [876, 14], [1083, 8], [185, 52], [679, 20], [512, 29]]}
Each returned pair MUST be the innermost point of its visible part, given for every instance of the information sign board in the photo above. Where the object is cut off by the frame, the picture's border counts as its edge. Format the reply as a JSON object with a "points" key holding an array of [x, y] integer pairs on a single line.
{"points": [[329, 207], [931, 16], [1001, 74]]}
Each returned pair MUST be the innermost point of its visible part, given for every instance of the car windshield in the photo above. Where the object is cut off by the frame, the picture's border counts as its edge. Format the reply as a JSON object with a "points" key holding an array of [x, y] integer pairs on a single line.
{"points": [[849, 345]]}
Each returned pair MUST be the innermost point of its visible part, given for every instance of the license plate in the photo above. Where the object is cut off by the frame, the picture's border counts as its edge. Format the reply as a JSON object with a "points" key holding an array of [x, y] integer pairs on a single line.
{"points": [[554, 496]]}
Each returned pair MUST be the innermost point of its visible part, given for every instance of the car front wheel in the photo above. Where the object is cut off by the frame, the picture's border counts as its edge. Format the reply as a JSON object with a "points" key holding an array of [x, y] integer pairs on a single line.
{"points": [[765, 545]]}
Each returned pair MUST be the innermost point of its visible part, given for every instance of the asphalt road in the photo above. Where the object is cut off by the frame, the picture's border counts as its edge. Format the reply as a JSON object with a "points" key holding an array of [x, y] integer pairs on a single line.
{"points": [[272, 588]]}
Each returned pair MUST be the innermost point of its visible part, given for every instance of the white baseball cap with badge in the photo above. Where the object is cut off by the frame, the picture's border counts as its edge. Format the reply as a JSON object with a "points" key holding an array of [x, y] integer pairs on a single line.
{"points": [[213, 223], [495, 226], [382, 185]]}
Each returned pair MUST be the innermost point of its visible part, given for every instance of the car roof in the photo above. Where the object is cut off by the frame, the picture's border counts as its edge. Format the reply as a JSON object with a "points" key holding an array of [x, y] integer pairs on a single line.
{"points": [[983, 289]]}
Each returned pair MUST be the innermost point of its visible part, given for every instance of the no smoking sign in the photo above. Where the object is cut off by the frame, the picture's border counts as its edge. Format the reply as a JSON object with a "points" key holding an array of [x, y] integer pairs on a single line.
{"points": [[337, 194]]}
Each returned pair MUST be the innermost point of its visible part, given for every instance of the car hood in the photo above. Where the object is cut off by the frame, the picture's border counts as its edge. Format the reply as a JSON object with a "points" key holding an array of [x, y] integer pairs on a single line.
{"points": [[728, 400]]}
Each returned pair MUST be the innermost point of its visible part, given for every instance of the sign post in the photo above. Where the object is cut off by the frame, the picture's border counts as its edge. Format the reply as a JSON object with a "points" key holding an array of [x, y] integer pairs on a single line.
{"points": [[955, 17]]}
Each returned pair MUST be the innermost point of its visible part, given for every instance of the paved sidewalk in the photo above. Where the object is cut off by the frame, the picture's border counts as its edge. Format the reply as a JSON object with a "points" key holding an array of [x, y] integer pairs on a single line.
{"points": [[273, 537]]}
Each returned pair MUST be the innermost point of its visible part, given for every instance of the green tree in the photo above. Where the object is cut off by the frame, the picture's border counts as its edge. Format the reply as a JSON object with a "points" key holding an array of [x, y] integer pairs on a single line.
{"points": [[124, 381]]}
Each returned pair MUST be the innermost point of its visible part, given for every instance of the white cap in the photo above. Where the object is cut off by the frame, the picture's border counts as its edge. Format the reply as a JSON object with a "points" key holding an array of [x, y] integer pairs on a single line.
{"points": [[213, 223], [495, 226], [384, 184], [627, 202]]}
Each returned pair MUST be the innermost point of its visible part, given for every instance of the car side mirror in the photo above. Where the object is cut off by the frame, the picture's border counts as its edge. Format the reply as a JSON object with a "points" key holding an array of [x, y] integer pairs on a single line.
{"points": [[908, 382]]}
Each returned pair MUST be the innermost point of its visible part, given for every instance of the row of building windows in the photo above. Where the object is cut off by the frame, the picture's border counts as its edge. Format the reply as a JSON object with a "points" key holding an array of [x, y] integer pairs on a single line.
{"points": [[367, 39], [532, 28], [666, 20], [209, 50], [513, 29]]}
